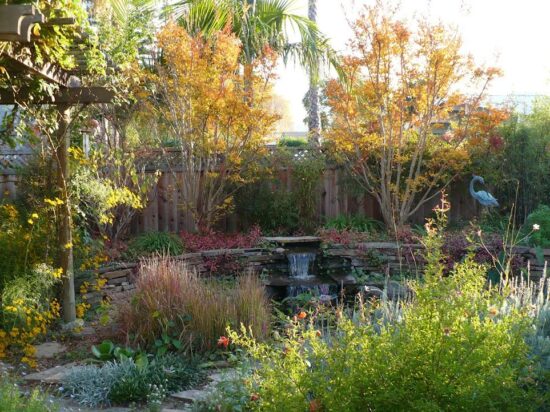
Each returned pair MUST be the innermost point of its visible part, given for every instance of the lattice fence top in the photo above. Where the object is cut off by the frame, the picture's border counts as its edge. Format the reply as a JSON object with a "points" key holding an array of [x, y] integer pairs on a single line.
{"points": [[170, 158], [13, 159]]}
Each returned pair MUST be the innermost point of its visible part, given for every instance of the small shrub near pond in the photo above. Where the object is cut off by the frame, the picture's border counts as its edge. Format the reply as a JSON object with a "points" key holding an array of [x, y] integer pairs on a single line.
{"points": [[541, 217], [356, 223], [172, 301], [153, 243]]}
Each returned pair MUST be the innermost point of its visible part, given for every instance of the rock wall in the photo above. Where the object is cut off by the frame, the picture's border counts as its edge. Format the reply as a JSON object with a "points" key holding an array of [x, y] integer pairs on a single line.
{"points": [[338, 264]]}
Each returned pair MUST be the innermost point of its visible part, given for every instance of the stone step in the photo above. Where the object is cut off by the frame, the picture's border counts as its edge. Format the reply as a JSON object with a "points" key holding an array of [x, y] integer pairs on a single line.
{"points": [[52, 375]]}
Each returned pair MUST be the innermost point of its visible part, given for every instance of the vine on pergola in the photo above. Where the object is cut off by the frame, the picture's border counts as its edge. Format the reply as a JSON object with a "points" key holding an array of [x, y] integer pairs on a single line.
{"points": [[46, 51]]}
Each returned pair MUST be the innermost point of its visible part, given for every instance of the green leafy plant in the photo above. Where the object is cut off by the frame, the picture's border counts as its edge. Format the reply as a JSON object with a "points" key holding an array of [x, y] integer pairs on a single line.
{"points": [[107, 351], [13, 400], [166, 342], [152, 243], [540, 217], [357, 223]]}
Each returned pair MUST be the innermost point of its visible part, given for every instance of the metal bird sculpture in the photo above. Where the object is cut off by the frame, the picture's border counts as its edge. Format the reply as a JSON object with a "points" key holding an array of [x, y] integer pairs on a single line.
{"points": [[483, 197]]}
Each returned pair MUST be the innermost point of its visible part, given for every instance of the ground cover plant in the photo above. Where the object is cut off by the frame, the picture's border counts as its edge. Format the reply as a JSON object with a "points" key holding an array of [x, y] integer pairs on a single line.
{"points": [[212, 240], [126, 381]]}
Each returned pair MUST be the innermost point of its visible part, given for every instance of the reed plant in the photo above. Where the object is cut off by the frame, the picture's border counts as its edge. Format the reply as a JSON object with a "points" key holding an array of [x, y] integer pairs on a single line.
{"points": [[173, 300]]}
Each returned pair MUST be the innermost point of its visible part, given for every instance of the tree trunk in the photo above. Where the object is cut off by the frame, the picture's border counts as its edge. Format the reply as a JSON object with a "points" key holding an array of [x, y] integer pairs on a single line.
{"points": [[314, 118], [65, 226]]}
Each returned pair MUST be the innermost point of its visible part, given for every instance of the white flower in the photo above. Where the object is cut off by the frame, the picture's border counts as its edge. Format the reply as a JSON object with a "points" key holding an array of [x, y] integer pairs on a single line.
{"points": [[536, 227]]}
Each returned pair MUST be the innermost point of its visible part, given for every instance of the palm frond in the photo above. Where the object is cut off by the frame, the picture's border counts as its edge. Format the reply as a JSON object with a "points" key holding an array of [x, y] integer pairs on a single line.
{"points": [[205, 17]]}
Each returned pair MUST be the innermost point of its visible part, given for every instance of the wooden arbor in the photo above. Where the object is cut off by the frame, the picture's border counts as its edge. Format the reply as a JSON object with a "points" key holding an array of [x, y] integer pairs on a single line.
{"points": [[16, 24]]}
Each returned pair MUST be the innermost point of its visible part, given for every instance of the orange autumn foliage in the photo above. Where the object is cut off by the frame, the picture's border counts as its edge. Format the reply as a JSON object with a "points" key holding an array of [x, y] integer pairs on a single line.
{"points": [[215, 111], [399, 119]]}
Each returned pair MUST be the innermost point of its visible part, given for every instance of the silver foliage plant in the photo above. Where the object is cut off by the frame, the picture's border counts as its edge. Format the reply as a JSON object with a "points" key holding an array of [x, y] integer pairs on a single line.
{"points": [[90, 385]]}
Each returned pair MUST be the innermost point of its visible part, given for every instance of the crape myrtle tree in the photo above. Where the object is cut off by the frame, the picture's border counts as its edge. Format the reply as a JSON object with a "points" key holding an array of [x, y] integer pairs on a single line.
{"points": [[200, 99], [400, 86]]}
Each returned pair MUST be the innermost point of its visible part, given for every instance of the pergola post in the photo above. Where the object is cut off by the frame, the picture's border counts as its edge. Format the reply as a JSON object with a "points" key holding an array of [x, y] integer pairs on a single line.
{"points": [[65, 224]]}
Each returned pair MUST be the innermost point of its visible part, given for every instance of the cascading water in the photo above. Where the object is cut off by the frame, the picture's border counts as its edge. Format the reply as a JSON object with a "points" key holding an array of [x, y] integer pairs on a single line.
{"points": [[299, 265]]}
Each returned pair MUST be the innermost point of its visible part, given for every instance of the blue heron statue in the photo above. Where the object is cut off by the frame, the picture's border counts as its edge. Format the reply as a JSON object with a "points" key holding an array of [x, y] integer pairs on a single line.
{"points": [[483, 197]]}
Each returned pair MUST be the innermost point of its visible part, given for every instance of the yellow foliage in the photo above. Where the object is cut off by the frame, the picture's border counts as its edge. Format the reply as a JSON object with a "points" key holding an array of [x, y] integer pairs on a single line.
{"points": [[21, 337]]}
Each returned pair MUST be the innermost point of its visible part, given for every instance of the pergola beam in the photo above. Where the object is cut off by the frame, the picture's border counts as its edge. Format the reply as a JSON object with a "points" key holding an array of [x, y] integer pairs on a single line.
{"points": [[64, 96], [16, 21], [48, 71]]}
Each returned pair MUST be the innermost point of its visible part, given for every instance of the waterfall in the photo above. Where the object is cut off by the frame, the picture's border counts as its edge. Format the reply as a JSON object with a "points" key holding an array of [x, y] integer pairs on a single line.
{"points": [[299, 265]]}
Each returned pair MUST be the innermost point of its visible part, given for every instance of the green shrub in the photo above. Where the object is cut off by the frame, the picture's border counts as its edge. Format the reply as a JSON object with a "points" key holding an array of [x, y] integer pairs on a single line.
{"points": [[292, 142], [457, 345], [273, 209], [125, 381], [269, 204], [175, 303], [541, 217], [152, 243], [12, 400], [357, 223]]}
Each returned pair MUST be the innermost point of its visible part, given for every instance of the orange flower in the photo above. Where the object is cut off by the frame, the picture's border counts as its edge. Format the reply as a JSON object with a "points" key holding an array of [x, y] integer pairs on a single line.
{"points": [[314, 406], [302, 315], [223, 342], [318, 333]]}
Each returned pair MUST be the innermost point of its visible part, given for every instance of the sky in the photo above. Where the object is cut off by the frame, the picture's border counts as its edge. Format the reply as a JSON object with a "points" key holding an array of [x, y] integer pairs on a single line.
{"points": [[511, 34]]}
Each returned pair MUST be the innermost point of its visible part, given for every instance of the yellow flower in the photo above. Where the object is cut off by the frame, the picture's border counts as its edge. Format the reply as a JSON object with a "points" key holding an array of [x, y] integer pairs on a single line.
{"points": [[34, 215]]}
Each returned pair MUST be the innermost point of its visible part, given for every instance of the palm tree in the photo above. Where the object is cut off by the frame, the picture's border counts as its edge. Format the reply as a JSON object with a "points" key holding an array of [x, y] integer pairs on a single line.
{"points": [[313, 119], [258, 23]]}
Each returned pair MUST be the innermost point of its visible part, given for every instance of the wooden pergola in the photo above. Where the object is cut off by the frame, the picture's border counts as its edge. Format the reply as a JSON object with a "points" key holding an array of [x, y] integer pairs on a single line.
{"points": [[16, 25]]}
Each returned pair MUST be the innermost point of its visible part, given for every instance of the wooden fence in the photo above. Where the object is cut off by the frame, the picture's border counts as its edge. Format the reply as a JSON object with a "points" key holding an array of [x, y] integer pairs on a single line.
{"points": [[164, 211], [10, 161]]}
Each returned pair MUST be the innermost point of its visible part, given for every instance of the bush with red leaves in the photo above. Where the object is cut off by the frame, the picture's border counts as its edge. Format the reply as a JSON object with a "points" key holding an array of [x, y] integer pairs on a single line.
{"points": [[212, 240]]}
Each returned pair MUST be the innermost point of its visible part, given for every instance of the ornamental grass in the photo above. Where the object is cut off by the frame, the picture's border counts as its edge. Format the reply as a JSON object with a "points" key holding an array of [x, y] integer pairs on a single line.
{"points": [[172, 300]]}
